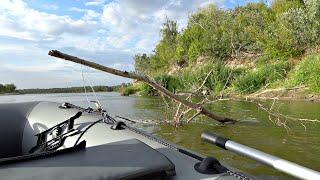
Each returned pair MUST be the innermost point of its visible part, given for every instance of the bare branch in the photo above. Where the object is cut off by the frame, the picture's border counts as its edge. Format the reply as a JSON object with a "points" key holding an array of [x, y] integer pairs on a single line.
{"points": [[225, 85], [177, 112], [194, 116], [281, 119], [145, 79]]}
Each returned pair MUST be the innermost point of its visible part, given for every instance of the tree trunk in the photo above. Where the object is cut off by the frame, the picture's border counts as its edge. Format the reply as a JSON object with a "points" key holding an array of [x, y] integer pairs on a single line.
{"points": [[145, 79]]}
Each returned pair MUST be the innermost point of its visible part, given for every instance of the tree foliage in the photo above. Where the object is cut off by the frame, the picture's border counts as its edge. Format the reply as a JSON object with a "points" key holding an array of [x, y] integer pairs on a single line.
{"points": [[282, 30], [7, 88], [142, 63]]}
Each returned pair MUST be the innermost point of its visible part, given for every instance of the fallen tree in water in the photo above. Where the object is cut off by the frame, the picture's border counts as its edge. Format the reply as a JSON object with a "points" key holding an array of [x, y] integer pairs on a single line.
{"points": [[190, 105]]}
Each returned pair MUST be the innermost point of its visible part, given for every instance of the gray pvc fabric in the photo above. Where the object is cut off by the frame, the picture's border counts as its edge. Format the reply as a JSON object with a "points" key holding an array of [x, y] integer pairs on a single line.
{"points": [[119, 160], [13, 119]]}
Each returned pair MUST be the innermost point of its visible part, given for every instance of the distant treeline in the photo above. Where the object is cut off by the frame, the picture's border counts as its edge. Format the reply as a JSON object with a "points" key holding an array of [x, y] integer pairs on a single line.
{"points": [[70, 90], [7, 88]]}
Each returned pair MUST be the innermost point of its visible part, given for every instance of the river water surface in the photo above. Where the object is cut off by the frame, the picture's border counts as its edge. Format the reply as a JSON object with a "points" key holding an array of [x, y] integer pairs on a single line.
{"points": [[298, 142]]}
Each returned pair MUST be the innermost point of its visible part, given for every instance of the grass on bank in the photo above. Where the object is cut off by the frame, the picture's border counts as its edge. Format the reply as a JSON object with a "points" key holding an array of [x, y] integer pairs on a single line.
{"points": [[307, 72], [266, 73], [129, 90], [262, 76]]}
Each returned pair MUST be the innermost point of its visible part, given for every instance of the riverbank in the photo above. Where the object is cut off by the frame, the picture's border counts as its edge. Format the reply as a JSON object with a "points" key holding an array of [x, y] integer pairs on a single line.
{"points": [[252, 51], [300, 93], [292, 94], [287, 79]]}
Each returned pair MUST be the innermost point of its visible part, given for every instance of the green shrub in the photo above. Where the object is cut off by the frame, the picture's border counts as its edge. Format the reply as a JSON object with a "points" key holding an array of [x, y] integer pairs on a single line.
{"points": [[7, 88], [295, 28], [220, 77], [252, 81], [169, 82], [281, 6], [308, 73], [128, 90], [147, 90], [265, 73]]}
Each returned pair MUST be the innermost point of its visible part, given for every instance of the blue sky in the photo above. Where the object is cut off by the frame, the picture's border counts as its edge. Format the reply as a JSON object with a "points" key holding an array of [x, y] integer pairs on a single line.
{"points": [[109, 32]]}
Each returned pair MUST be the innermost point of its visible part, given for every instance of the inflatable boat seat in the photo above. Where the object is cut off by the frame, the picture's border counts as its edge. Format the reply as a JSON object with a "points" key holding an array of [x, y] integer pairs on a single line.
{"points": [[129, 159]]}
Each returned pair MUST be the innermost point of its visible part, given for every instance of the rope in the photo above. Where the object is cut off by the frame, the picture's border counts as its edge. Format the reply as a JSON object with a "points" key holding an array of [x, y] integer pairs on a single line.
{"points": [[84, 86], [94, 93]]}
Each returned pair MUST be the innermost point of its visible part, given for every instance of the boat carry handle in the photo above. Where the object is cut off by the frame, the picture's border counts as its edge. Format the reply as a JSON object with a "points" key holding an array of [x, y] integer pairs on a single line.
{"points": [[268, 159]]}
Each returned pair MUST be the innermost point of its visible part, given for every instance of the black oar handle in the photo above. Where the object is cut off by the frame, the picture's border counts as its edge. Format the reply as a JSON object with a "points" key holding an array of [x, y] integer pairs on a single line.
{"points": [[215, 139]]}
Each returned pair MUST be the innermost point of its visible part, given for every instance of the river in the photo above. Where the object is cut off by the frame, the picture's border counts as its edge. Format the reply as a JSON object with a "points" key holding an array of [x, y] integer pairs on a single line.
{"points": [[298, 143]]}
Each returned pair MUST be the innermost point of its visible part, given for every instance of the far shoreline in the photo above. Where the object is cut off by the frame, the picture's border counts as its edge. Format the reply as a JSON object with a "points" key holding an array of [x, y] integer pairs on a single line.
{"points": [[290, 94]]}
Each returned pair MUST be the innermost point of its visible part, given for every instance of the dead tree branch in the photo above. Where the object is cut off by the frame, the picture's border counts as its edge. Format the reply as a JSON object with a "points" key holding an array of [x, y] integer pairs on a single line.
{"points": [[178, 117], [145, 79], [192, 117]]}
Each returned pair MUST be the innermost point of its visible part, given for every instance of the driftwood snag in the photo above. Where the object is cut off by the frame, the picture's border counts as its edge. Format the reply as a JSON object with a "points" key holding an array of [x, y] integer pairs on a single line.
{"points": [[199, 108]]}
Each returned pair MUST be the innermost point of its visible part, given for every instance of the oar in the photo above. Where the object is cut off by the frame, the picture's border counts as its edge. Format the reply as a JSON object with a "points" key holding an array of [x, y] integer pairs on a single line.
{"points": [[268, 159]]}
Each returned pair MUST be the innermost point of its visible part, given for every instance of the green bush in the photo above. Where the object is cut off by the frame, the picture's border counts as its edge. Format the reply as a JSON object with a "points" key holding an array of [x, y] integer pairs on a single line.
{"points": [[295, 28], [265, 73], [308, 73], [220, 77], [147, 90], [169, 82], [7, 88], [129, 90], [281, 6]]}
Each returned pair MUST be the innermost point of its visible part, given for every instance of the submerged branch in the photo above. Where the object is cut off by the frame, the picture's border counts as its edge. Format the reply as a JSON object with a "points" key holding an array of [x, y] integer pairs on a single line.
{"points": [[281, 119]]}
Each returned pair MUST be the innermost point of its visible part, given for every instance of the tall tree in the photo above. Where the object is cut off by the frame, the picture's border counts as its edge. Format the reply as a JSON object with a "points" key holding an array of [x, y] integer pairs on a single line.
{"points": [[142, 63]]}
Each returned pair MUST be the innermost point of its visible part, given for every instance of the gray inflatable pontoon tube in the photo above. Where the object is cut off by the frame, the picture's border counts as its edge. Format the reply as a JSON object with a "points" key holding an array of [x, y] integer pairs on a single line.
{"points": [[270, 160]]}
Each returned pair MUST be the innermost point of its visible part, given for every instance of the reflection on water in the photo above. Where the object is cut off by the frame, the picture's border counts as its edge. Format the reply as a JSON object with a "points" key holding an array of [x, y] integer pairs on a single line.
{"points": [[299, 145]]}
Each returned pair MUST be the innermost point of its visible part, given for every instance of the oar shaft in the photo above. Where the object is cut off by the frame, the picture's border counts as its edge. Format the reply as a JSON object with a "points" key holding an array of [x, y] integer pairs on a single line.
{"points": [[270, 160]]}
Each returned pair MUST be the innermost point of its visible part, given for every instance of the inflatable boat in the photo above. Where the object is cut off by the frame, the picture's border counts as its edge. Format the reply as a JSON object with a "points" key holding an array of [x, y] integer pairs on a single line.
{"points": [[47, 140]]}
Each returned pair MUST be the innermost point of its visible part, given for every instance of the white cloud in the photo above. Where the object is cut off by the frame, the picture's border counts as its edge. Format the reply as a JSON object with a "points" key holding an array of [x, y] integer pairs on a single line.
{"points": [[123, 66], [50, 6], [76, 9], [119, 41], [88, 13], [11, 47], [144, 18], [95, 2], [145, 45], [20, 21], [38, 70], [51, 66]]}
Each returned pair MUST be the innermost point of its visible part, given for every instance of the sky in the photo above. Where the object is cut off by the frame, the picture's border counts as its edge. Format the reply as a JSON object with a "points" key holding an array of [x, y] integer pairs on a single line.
{"points": [[109, 32]]}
